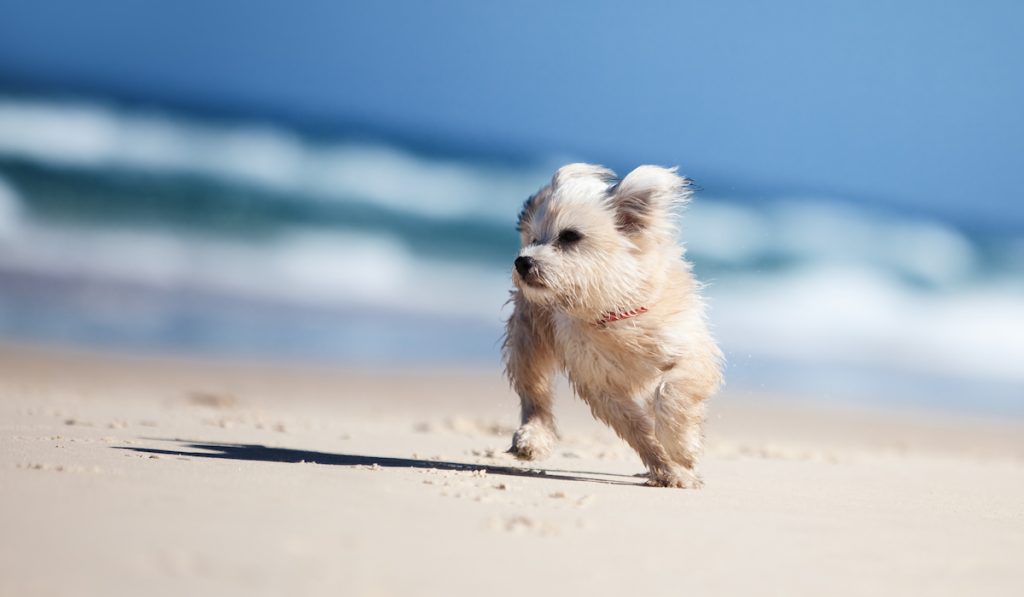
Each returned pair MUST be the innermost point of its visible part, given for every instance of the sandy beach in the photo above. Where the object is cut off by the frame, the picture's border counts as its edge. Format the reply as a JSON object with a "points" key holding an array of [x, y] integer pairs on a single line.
{"points": [[125, 475]]}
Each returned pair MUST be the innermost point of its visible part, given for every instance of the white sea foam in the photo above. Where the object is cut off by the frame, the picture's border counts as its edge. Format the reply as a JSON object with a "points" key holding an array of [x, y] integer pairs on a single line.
{"points": [[303, 268], [861, 316], [822, 231], [90, 135]]}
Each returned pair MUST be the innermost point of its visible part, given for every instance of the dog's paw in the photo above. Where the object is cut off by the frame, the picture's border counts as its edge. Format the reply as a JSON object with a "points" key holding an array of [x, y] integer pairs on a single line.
{"points": [[681, 478], [532, 442]]}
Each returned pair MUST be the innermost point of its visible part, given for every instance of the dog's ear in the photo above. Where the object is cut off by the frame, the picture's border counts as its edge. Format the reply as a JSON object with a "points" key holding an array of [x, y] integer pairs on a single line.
{"points": [[530, 207], [646, 199]]}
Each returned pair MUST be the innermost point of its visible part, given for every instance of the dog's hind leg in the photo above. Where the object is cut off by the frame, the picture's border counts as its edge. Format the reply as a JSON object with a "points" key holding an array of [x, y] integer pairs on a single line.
{"points": [[633, 423], [678, 423]]}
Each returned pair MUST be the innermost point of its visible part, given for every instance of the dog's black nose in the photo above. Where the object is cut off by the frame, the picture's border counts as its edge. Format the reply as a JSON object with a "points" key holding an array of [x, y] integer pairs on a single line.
{"points": [[524, 265]]}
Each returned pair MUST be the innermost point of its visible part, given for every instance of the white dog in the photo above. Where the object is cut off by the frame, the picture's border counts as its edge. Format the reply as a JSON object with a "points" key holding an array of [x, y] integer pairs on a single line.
{"points": [[604, 294]]}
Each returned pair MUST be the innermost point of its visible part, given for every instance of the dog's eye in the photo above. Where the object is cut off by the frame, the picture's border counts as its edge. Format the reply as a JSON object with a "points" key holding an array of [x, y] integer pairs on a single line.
{"points": [[569, 236]]}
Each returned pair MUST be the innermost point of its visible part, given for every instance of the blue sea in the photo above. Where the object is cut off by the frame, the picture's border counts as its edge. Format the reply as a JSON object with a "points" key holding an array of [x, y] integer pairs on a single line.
{"points": [[139, 229]]}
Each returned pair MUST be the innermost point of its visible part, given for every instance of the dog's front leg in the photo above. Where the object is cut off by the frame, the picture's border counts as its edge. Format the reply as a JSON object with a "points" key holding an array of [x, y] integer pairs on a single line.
{"points": [[530, 365]]}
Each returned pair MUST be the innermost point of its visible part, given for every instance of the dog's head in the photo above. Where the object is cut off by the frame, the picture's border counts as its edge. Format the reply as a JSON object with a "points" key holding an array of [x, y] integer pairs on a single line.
{"points": [[592, 243]]}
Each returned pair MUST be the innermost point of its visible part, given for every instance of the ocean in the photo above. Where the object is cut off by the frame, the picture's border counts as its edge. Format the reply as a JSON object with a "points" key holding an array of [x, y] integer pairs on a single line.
{"points": [[164, 231]]}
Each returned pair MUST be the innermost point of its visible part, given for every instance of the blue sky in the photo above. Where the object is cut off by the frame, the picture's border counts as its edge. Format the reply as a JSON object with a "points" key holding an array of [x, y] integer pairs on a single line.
{"points": [[915, 103]]}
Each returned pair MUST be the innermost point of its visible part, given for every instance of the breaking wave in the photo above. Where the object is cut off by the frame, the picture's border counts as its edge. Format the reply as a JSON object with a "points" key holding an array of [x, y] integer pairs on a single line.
{"points": [[95, 200]]}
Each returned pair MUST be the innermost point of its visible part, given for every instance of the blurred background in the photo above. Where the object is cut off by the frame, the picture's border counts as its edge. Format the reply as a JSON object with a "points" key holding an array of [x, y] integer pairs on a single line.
{"points": [[337, 182]]}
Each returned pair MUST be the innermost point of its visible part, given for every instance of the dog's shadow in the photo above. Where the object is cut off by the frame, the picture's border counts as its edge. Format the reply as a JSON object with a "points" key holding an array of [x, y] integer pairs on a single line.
{"points": [[260, 453]]}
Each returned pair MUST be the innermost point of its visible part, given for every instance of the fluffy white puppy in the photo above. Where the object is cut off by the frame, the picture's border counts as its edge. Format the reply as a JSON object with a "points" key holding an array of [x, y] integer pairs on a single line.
{"points": [[603, 293]]}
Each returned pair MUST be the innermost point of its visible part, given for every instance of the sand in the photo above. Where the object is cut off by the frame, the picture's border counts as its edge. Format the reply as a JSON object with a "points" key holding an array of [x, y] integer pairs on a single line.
{"points": [[124, 475]]}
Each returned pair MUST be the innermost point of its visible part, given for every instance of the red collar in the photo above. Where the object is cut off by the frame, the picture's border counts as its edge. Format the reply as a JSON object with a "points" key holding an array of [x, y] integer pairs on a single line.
{"points": [[617, 315]]}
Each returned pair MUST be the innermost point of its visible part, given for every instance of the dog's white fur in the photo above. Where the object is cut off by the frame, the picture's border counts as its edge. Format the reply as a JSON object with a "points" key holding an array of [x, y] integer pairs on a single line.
{"points": [[648, 375]]}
